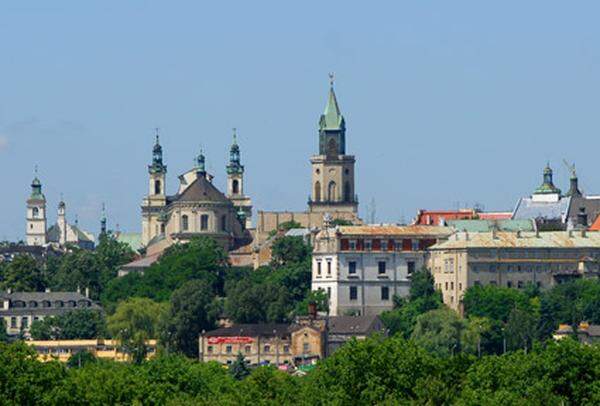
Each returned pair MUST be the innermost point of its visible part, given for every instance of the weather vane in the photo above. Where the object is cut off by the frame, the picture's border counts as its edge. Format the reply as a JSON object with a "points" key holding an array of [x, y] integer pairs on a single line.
{"points": [[156, 130], [331, 78]]}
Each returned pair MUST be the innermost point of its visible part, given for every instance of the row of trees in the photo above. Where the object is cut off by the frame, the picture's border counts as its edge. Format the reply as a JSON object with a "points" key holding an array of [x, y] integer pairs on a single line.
{"points": [[373, 371]]}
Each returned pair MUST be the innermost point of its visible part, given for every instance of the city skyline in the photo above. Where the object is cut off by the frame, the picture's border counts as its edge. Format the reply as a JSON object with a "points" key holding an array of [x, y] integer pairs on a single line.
{"points": [[435, 115]]}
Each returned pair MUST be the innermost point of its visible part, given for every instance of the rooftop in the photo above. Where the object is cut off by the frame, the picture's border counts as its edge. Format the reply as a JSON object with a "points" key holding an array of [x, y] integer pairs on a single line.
{"points": [[395, 230], [549, 239]]}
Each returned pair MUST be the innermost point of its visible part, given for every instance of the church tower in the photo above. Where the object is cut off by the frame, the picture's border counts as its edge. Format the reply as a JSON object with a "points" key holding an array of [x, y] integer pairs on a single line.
{"points": [[235, 184], [62, 223], [332, 170], [156, 199], [36, 215]]}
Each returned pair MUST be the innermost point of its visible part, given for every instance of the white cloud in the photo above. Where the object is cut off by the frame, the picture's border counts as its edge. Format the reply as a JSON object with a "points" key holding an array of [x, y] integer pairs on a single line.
{"points": [[3, 143]]}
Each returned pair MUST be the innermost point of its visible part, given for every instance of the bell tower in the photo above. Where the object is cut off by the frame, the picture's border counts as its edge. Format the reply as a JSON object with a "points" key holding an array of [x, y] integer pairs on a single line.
{"points": [[332, 170], [156, 198], [36, 214], [235, 184]]}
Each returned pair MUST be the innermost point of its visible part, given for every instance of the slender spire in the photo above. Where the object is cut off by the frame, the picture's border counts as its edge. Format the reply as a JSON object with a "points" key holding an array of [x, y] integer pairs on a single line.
{"points": [[201, 163], [235, 165], [332, 118], [103, 220], [36, 187], [157, 165]]}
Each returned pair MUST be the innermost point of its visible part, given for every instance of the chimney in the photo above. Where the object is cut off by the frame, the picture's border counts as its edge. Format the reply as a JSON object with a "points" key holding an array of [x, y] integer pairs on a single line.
{"points": [[583, 233], [87, 292], [570, 233], [312, 310], [582, 218]]}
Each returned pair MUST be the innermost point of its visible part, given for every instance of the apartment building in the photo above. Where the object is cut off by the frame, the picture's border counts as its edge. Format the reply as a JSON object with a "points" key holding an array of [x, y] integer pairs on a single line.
{"points": [[362, 267]]}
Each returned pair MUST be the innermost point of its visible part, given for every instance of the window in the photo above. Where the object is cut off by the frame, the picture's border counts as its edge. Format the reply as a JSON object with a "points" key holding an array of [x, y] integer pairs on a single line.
{"points": [[36, 213], [415, 245], [286, 349], [228, 349], [328, 292], [157, 188], [13, 322], [305, 348], [353, 293], [353, 245], [184, 222], [520, 284], [247, 349], [162, 228], [223, 223], [319, 268], [477, 283], [24, 322], [451, 285], [446, 285], [209, 349], [381, 267], [368, 245], [384, 245], [235, 186], [347, 192], [317, 191], [411, 267], [509, 284], [385, 293], [352, 267], [267, 348], [460, 286], [328, 267], [332, 192], [204, 222]]}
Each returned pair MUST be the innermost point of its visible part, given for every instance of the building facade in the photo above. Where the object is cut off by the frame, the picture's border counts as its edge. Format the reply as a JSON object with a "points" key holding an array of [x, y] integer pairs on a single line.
{"points": [[361, 268], [198, 208], [63, 350], [511, 259], [20, 309]]}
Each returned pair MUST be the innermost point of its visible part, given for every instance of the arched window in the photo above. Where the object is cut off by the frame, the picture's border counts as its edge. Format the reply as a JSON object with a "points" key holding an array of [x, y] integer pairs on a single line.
{"points": [[157, 187], [204, 222], [332, 192], [223, 223], [235, 186], [317, 191], [162, 228], [184, 222], [347, 192], [35, 212]]}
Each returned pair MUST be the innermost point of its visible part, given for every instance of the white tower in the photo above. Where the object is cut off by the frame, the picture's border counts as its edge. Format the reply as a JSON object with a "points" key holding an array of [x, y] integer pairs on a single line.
{"points": [[62, 223], [36, 215]]}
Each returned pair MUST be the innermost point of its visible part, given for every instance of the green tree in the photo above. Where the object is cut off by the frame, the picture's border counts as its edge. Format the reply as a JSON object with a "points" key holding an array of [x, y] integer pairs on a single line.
{"points": [[3, 333], [521, 329], [285, 226], [77, 324], [495, 303], [24, 274], [191, 311], [249, 302], [341, 222], [318, 297], [440, 331], [239, 370], [79, 269], [81, 359], [290, 250], [134, 322]]}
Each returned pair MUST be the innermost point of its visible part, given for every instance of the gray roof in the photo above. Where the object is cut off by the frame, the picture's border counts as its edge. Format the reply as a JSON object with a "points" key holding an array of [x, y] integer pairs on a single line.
{"points": [[298, 232], [201, 190], [528, 209], [252, 330], [352, 324], [39, 298]]}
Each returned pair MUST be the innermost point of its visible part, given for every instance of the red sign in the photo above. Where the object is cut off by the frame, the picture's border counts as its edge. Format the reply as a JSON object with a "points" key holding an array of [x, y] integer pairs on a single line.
{"points": [[230, 340]]}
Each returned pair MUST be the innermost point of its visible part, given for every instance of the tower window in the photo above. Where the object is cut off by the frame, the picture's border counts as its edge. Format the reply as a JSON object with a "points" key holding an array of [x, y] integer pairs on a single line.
{"points": [[385, 293], [353, 293], [235, 186], [35, 212], [204, 222], [184, 222], [347, 192], [332, 191], [223, 223], [157, 187], [317, 191]]}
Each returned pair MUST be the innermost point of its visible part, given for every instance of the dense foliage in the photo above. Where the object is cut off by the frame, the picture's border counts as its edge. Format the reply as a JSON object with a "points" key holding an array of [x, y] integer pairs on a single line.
{"points": [[82, 324], [374, 371]]}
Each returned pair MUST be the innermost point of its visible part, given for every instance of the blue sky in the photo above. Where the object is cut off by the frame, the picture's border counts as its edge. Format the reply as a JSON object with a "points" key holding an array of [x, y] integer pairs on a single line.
{"points": [[446, 103]]}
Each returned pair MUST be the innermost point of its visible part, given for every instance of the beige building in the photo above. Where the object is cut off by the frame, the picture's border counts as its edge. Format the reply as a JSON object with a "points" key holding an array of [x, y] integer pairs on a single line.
{"points": [[511, 259], [62, 350], [198, 208], [361, 268]]}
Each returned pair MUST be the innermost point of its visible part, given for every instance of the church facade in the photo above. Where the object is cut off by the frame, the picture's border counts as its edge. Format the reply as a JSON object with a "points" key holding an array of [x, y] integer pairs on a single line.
{"points": [[198, 208]]}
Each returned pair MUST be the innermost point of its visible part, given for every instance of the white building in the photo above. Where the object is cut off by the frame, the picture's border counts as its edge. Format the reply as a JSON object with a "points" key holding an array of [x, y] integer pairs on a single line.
{"points": [[362, 267]]}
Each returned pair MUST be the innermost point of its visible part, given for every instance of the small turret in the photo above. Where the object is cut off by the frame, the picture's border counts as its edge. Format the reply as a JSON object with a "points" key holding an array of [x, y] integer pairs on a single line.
{"points": [[157, 165], [547, 186], [201, 164]]}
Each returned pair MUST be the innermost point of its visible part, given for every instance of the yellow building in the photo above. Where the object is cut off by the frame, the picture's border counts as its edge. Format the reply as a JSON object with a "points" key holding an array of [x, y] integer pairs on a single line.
{"points": [[62, 350]]}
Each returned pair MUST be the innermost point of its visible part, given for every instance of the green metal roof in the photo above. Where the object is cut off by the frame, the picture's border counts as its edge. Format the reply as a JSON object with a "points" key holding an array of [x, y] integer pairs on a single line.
{"points": [[134, 240], [482, 226], [332, 117]]}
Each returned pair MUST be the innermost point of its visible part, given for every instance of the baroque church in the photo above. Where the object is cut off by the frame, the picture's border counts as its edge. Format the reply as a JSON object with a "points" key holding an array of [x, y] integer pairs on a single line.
{"points": [[198, 208], [62, 233]]}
